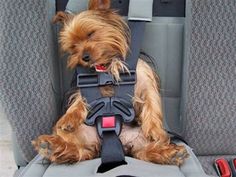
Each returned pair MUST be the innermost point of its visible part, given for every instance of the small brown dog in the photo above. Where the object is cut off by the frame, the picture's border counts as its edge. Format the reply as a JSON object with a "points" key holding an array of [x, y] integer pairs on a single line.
{"points": [[103, 36]]}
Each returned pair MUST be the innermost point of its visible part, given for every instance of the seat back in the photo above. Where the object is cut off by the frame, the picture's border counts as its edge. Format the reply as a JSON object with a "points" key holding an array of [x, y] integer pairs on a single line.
{"points": [[209, 91], [210, 114], [209, 86], [29, 70]]}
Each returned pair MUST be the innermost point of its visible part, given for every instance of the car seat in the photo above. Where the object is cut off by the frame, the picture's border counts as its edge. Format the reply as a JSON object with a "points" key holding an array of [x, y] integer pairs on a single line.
{"points": [[209, 97], [34, 80]]}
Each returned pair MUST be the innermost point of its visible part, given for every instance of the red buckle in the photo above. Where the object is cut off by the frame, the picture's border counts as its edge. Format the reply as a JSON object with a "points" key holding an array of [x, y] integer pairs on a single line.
{"points": [[223, 168], [108, 122]]}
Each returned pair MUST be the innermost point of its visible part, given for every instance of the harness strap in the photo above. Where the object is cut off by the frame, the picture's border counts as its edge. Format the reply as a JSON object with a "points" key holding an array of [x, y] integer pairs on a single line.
{"points": [[137, 32], [112, 152], [140, 10]]}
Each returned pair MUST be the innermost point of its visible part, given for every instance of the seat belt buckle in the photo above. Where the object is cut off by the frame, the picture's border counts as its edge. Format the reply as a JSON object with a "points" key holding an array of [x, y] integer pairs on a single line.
{"points": [[104, 78], [232, 164], [102, 109], [223, 168], [108, 122]]}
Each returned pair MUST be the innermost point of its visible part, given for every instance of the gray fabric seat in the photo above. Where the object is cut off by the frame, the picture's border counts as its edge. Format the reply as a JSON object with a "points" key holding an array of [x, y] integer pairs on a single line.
{"points": [[208, 160], [30, 90], [33, 81], [209, 104], [38, 168]]}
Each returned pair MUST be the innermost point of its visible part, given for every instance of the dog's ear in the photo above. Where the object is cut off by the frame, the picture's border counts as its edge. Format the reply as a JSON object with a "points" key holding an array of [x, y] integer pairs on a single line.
{"points": [[62, 17], [99, 4]]}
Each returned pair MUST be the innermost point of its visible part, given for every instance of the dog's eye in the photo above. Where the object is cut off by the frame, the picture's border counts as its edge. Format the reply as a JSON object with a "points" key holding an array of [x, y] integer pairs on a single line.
{"points": [[90, 34]]}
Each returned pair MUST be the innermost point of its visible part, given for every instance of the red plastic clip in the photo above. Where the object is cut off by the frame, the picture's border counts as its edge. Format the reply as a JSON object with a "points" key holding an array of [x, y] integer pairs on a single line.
{"points": [[108, 122], [223, 168]]}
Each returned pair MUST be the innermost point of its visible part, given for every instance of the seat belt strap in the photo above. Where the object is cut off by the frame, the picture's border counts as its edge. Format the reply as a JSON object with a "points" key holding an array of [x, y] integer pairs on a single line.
{"points": [[140, 10], [61, 5], [112, 152], [137, 33]]}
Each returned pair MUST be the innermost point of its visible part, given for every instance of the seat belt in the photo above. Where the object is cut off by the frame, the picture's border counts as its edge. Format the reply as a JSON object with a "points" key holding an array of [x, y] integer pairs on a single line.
{"points": [[61, 5], [112, 154], [223, 168]]}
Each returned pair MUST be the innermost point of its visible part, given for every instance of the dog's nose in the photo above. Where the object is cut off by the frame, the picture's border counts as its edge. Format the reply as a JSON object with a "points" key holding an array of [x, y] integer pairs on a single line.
{"points": [[86, 57]]}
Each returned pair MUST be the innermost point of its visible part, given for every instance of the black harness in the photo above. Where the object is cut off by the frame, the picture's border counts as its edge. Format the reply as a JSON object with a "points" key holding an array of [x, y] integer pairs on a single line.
{"points": [[109, 113]]}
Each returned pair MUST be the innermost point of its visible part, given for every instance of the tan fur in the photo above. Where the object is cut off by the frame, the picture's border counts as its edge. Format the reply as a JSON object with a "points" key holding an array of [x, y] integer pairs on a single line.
{"points": [[105, 36]]}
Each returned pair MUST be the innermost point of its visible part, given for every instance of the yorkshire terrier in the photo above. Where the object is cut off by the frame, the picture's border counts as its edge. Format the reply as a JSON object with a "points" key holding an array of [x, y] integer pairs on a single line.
{"points": [[99, 36]]}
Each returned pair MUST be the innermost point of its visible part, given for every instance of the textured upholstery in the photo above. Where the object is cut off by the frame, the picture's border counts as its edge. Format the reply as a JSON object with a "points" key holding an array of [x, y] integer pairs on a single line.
{"points": [[208, 161], [210, 78], [29, 84], [163, 40], [210, 112], [39, 168], [29, 77]]}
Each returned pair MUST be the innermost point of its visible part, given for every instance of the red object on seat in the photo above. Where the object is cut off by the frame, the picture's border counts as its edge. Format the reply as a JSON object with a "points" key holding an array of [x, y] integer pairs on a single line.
{"points": [[235, 163], [108, 122], [223, 167]]}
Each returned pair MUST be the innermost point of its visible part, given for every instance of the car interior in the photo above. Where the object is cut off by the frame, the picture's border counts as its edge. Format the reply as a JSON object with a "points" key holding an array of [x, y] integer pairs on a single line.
{"points": [[193, 43]]}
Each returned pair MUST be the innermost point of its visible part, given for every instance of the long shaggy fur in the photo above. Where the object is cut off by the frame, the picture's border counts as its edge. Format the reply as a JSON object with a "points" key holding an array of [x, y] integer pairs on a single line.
{"points": [[103, 34]]}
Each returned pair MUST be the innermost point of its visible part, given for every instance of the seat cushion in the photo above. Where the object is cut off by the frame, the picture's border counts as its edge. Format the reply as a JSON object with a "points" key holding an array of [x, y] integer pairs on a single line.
{"points": [[41, 168]]}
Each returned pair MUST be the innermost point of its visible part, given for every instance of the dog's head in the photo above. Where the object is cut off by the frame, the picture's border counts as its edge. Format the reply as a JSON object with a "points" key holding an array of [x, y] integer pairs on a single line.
{"points": [[96, 37]]}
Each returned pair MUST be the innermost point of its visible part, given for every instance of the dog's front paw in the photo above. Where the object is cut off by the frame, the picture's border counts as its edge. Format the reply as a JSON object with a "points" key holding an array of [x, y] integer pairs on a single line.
{"points": [[55, 149], [67, 124], [46, 144], [179, 154]]}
